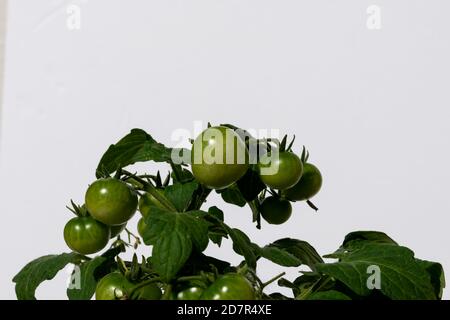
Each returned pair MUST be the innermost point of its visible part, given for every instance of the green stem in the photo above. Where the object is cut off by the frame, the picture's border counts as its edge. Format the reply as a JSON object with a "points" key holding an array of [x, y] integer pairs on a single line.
{"points": [[130, 234], [189, 278], [311, 289], [199, 199], [150, 188], [256, 214], [167, 292], [175, 171], [265, 284]]}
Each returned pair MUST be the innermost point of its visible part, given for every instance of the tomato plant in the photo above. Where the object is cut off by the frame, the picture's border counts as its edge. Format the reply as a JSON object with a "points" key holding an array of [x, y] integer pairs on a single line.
{"points": [[178, 224]]}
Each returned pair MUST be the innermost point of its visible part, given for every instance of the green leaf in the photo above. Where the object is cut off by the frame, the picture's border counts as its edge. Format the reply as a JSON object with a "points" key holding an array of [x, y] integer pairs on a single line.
{"points": [[197, 228], [401, 276], [39, 270], [301, 250], [242, 245], [180, 194], [216, 212], [88, 280], [180, 174], [250, 185], [174, 236], [233, 196], [280, 256], [198, 262], [328, 295], [216, 232], [137, 146], [437, 276], [370, 236], [170, 253], [357, 239], [241, 242]]}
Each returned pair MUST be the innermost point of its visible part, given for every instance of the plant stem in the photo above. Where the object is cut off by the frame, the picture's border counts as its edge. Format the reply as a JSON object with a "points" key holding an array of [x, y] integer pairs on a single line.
{"points": [[312, 205], [150, 188], [265, 284], [130, 234], [167, 292], [189, 278]]}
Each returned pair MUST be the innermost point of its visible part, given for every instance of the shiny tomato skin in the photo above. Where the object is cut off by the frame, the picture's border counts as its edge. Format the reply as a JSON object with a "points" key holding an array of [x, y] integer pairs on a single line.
{"points": [[288, 170], [113, 286], [192, 293], [308, 186], [230, 286], [111, 201], [86, 235], [216, 163]]}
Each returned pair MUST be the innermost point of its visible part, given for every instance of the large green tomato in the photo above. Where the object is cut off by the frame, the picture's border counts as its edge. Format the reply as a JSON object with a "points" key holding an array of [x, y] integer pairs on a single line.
{"points": [[308, 186], [219, 157], [230, 286], [147, 201], [275, 210], [111, 201], [115, 286], [86, 235], [287, 170]]}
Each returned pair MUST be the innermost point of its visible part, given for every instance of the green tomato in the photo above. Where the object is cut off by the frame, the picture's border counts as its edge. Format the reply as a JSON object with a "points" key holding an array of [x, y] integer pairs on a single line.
{"points": [[308, 186], [111, 201], [116, 230], [86, 235], [219, 157], [149, 292], [230, 286], [275, 210], [147, 201], [192, 293], [287, 170], [115, 286], [141, 226]]}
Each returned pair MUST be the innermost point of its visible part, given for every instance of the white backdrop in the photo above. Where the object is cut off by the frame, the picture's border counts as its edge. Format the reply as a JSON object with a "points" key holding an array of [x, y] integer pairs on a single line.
{"points": [[372, 106]]}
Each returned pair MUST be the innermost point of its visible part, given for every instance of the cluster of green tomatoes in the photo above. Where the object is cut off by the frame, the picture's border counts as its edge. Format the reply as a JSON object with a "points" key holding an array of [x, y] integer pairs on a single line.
{"points": [[291, 178], [111, 202]]}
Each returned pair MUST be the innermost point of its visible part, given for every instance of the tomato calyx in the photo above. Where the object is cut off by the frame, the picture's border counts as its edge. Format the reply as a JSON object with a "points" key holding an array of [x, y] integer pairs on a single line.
{"points": [[79, 211]]}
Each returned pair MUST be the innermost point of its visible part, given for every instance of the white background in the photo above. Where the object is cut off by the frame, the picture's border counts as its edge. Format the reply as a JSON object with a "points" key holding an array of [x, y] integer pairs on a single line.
{"points": [[372, 106]]}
